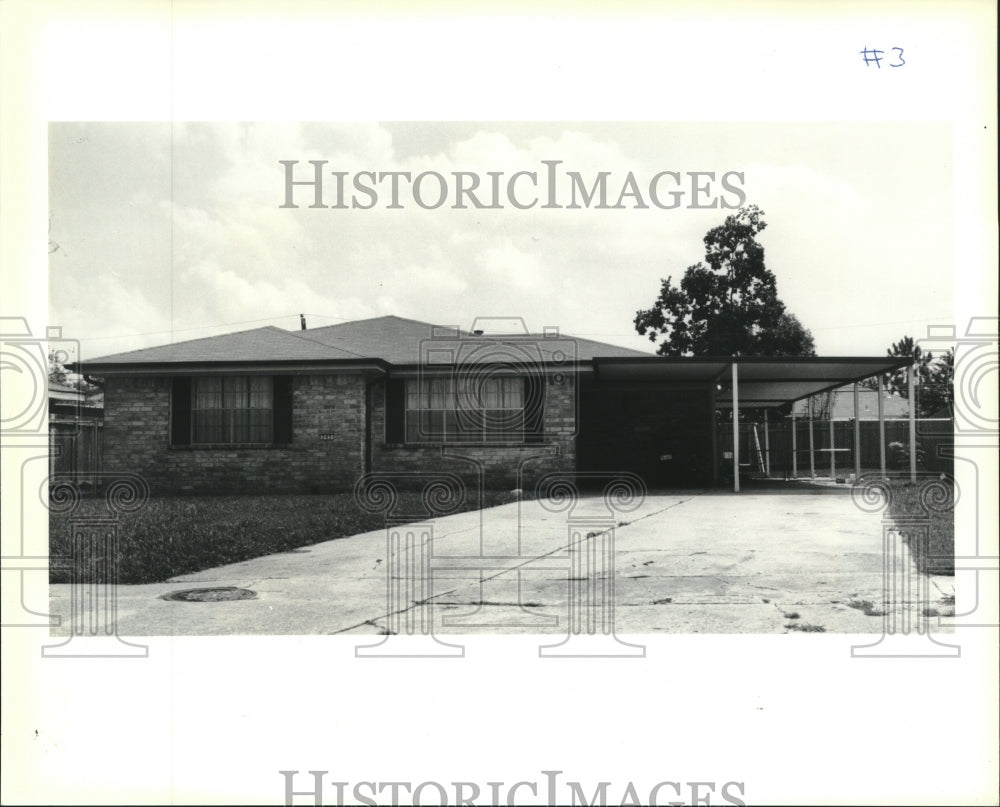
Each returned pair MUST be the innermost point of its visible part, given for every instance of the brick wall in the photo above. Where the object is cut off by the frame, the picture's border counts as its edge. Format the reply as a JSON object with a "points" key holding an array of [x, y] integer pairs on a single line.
{"points": [[137, 418], [498, 464]]}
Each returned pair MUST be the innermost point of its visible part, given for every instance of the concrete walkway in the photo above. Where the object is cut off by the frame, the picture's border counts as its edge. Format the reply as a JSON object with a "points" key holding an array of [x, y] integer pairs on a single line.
{"points": [[689, 562]]}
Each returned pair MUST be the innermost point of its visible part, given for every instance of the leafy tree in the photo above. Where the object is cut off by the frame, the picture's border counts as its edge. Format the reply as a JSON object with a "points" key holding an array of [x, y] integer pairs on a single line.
{"points": [[938, 391], [896, 382], [728, 304], [57, 371], [59, 374], [934, 377]]}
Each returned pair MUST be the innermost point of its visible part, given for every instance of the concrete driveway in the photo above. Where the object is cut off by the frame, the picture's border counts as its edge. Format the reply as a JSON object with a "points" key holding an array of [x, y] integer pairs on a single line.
{"points": [[770, 561]]}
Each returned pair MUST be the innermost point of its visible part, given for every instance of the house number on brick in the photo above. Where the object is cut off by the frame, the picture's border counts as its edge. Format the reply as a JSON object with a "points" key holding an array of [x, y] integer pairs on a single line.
{"points": [[326, 436]]}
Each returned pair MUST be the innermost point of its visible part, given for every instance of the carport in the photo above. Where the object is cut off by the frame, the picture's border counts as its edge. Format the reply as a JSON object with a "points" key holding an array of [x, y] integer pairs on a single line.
{"points": [[737, 384]]}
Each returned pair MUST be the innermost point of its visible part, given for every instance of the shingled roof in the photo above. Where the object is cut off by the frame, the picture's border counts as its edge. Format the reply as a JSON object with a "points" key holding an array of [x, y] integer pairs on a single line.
{"points": [[398, 340], [267, 344], [388, 339]]}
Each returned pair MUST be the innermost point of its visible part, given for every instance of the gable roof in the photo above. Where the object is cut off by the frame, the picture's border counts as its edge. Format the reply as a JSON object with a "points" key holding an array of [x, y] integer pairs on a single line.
{"points": [[388, 339]]}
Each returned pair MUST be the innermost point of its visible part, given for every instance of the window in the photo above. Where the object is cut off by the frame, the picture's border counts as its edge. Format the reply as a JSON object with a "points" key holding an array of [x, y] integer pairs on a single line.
{"points": [[231, 410], [466, 410]]}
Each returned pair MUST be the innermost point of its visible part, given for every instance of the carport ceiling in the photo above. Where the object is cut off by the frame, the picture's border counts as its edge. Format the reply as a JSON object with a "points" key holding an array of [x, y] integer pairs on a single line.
{"points": [[763, 382]]}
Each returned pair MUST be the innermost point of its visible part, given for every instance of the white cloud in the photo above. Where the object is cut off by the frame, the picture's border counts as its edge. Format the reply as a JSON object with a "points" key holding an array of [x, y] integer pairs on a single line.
{"points": [[853, 237]]}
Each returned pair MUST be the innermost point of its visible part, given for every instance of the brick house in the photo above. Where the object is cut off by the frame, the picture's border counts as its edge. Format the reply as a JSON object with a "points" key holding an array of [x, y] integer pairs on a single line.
{"points": [[313, 410]]}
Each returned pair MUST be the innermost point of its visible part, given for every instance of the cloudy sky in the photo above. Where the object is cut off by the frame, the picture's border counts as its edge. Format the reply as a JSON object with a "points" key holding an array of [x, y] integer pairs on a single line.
{"points": [[164, 232]]}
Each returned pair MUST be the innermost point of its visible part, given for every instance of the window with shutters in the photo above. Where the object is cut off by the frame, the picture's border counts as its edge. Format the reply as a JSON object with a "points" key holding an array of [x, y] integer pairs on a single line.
{"points": [[467, 410], [219, 410], [231, 410]]}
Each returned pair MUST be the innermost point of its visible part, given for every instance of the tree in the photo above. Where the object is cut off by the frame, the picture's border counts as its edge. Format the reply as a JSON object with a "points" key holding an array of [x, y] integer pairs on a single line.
{"points": [[896, 382], [60, 375], [57, 371], [728, 304], [934, 377], [937, 392]]}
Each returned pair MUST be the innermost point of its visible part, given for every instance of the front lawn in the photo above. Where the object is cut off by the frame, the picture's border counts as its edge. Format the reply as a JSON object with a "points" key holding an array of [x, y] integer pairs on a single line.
{"points": [[170, 536]]}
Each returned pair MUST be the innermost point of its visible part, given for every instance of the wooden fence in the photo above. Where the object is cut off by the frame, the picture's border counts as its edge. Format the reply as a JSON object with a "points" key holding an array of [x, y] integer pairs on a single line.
{"points": [[76, 450]]}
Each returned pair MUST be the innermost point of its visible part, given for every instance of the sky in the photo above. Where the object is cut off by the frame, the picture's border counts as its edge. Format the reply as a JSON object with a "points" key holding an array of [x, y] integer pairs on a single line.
{"points": [[163, 232]]}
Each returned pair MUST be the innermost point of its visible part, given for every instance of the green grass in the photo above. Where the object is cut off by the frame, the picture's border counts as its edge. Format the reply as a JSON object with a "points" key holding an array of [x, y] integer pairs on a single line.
{"points": [[936, 554], [170, 536]]}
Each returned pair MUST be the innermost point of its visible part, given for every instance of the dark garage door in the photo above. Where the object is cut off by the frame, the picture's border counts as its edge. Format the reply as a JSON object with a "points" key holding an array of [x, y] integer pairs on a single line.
{"points": [[663, 434]]}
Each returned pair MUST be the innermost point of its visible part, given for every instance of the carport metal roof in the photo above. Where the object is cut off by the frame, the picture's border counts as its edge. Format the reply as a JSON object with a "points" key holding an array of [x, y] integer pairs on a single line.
{"points": [[763, 381]]}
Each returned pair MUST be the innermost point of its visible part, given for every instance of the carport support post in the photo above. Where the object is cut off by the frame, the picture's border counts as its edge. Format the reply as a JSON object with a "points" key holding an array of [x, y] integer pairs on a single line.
{"points": [[795, 448], [767, 447], [857, 435], [911, 389], [812, 448], [833, 454], [881, 429], [736, 431]]}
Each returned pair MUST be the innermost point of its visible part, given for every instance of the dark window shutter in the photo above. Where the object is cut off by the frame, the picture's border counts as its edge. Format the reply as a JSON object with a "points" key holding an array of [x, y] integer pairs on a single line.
{"points": [[534, 408], [395, 410], [282, 409], [180, 411]]}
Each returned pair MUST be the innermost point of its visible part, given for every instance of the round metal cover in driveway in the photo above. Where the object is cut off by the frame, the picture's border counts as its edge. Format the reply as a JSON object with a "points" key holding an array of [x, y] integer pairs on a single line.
{"points": [[211, 594]]}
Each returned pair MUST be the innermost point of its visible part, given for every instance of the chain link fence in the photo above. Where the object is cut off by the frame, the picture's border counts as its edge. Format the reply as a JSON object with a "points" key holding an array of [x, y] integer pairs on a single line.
{"points": [[788, 448]]}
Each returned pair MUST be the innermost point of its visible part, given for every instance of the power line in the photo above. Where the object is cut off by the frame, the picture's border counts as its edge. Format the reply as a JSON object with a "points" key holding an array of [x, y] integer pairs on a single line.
{"points": [[827, 328]]}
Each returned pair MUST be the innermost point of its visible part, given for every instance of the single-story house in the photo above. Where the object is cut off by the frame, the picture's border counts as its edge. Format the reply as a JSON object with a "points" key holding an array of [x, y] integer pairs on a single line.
{"points": [[313, 410]]}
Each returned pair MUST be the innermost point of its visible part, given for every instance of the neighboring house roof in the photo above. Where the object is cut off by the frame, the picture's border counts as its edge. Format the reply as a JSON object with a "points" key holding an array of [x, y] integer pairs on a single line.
{"points": [[389, 339], [893, 406], [66, 394]]}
